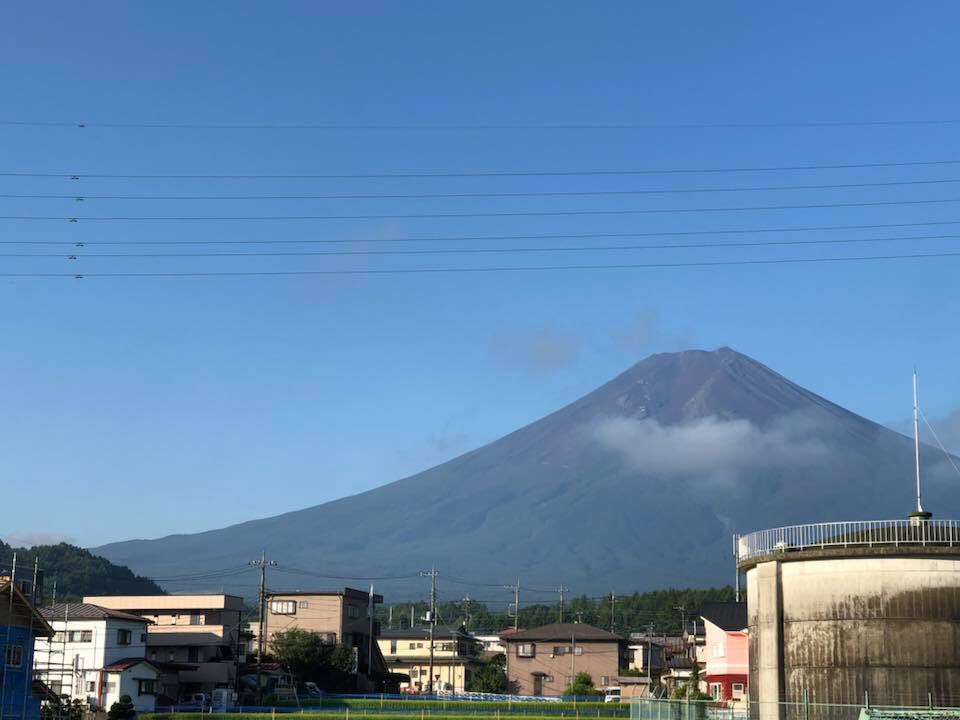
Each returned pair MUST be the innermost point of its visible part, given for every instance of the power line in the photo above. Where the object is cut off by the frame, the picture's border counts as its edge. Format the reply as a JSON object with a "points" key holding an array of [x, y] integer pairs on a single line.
{"points": [[468, 238], [475, 173], [435, 216], [471, 195], [488, 250], [340, 126], [499, 269]]}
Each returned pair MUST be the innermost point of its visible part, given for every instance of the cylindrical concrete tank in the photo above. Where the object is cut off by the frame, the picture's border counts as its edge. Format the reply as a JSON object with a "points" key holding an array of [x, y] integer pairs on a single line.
{"points": [[839, 612]]}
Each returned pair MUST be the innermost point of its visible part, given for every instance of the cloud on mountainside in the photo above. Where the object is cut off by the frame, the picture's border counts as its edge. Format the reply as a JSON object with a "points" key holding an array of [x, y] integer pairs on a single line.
{"points": [[709, 449], [535, 350]]}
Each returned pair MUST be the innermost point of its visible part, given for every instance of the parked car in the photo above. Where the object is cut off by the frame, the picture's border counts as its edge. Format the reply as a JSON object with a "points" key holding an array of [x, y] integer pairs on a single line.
{"points": [[194, 701], [611, 694]]}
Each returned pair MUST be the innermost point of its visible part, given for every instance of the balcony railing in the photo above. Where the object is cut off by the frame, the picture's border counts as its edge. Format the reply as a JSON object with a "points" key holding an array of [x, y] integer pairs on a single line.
{"points": [[852, 533]]}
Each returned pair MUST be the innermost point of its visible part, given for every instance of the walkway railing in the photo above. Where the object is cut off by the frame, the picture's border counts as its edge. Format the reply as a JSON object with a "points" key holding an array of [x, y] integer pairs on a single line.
{"points": [[852, 533]]}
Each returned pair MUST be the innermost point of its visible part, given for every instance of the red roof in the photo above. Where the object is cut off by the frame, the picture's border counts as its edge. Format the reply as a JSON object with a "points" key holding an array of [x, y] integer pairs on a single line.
{"points": [[127, 663]]}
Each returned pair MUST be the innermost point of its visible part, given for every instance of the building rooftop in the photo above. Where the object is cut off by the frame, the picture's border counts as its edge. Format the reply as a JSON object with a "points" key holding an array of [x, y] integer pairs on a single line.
{"points": [[440, 632], [563, 631], [87, 611], [346, 592], [126, 663], [146, 603], [729, 616]]}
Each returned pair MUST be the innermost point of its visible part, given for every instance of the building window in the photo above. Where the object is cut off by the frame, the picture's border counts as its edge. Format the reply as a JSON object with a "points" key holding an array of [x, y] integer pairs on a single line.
{"points": [[13, 657], [91, 686], [303, 604], [604, 680], [719, 650], [353, 611], [283, 607], [171, 655], [560, 650], [80, 636], [414, 672], [124, 637], [716, 691], [527, 650], [195, 620], [146, 687], [738, 690], [193, 655], [393, 647]]}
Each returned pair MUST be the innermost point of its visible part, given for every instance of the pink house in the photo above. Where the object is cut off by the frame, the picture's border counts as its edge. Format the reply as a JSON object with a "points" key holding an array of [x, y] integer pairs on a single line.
{"points": [[727, 663]]}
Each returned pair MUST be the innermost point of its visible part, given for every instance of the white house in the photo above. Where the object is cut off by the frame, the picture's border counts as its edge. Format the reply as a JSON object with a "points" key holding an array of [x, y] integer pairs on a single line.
{"points": [[96, 656]]}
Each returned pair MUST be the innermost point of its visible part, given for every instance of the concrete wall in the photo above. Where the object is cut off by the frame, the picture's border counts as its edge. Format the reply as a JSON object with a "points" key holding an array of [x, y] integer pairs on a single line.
{"points": [[839, 627]]}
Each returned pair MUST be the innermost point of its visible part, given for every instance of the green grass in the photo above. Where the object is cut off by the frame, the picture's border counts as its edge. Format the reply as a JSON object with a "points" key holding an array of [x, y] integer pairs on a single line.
{"points": [[367, 715], [472, 707]]}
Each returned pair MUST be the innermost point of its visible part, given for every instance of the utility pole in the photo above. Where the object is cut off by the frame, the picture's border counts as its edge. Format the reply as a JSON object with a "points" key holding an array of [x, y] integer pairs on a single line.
{"points": [[561, 590], [390, 617], [516, 603], [466, 610], [432, 618], [370, 640], [683, 624], [649, 662], [613, 610], [262, 564]]}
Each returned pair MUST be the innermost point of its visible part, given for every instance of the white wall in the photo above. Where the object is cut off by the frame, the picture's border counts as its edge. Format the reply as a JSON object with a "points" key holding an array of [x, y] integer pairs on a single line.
{"points": [[75, 664]]}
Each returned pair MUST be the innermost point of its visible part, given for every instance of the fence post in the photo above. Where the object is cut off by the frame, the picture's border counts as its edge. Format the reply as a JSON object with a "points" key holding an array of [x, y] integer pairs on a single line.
{"points": [[806, 705], [866, 699], [930, 700]]}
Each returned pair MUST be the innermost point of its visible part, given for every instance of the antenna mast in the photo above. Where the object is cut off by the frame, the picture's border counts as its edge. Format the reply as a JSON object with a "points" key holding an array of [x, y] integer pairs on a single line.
{"points": [[916, 437]]}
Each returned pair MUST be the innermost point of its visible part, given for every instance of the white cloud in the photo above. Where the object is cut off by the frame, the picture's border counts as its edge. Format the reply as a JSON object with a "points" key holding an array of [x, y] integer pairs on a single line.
{"points": [[708, 449], [30, 539]]}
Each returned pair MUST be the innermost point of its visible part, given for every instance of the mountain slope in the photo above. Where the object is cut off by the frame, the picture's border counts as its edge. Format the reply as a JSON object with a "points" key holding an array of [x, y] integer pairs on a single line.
{"points": [[638, 484]]}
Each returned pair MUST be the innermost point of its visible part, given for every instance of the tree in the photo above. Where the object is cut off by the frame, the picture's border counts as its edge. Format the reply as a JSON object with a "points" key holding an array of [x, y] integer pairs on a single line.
{"points": [[582, 685], [122, 709], [492, 677], [306, 656], [690, 690]]}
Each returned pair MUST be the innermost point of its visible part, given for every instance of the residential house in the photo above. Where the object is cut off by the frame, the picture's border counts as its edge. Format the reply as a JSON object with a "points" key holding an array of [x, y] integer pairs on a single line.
{"points": [[493, 642], [456, 657], [543, 661], [21, 625], [97, 655], [341, 616], [646, 655], [727, 666], [196, 640]]}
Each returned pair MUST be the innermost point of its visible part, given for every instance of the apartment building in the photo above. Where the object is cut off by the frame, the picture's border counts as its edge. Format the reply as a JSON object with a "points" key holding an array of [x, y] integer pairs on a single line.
{"points": [[543, 661], [198, 638], [341, 616], [456, 657], [96, 655]]}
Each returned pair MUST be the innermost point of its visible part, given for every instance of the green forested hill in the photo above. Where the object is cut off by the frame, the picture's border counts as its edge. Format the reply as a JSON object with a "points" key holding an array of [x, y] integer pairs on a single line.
{"points": [[77, 572]]}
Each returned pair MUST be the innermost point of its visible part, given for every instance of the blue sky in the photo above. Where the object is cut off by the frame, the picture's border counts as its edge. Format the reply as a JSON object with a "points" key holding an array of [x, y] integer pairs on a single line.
{"points": [[139, 407]]}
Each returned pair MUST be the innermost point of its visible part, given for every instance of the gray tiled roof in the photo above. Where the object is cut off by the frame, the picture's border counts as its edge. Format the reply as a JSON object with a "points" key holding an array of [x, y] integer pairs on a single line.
{"points": [[86, 611]]}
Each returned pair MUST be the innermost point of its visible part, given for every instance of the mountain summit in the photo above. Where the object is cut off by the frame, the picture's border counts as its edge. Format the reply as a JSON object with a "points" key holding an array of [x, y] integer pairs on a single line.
{"points": [[637, 485]]}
